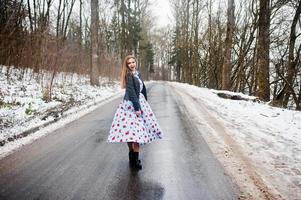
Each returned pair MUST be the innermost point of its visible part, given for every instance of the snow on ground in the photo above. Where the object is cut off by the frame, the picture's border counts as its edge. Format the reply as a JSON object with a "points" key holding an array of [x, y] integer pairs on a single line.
{"points": [[268, 137], [22, 107]]}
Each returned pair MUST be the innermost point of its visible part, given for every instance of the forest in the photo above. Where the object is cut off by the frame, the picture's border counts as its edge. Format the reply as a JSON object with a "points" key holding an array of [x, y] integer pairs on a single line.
{"points": [[247, 46]]}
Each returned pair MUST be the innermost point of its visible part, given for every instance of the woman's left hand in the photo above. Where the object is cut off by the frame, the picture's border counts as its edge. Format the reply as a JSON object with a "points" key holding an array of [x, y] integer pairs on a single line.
{"points": [[138, 113]]}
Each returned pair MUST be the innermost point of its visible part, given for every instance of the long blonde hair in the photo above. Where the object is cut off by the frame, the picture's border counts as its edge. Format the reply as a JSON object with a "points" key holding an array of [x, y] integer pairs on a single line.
{"points": [[125, 70]]}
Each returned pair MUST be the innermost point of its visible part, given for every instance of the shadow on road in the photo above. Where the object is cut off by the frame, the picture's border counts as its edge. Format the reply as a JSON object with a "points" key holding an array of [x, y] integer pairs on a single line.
{"points": [[131, 186]]}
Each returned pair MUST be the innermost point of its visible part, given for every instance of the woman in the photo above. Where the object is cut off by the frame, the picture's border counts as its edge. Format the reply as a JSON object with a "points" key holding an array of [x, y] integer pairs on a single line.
{"points": [[134, 121]]}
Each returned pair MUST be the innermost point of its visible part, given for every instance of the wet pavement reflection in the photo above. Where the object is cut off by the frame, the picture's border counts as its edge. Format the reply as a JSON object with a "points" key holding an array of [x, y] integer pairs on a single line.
{"points": [[132, 186]]}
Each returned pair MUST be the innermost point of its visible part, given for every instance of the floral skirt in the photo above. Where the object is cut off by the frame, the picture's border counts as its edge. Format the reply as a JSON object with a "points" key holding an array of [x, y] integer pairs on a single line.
{"points": [[127, 127]]}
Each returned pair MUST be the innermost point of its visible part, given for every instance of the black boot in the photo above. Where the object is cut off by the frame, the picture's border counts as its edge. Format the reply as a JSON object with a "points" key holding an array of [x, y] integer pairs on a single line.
{"points": [[136, 162], [131, 158]]}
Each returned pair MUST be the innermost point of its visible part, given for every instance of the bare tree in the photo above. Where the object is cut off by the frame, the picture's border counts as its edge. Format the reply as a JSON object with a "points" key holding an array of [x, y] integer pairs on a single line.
{"points": [[263, 48], [228, 47], [94, 73], [292, 61]]}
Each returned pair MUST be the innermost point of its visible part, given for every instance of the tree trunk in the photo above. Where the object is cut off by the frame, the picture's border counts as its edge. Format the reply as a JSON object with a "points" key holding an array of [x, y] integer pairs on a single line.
{"points": [[226, 85], [80, 24], [94, 73], [292, 63], [123, 42], [68, 18], [263, 50], [210, 67], [195, 48]]}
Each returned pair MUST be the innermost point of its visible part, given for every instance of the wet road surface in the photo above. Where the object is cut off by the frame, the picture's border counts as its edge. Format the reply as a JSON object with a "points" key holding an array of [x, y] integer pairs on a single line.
{"points": [[76, 162]]}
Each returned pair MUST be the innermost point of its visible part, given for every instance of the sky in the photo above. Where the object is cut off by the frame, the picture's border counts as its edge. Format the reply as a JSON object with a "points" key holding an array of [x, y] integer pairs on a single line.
{"points": [[162, 12]]}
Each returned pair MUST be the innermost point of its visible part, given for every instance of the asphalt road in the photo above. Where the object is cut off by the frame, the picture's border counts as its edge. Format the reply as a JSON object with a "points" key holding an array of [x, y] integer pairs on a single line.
{"points": [[76, 162]]}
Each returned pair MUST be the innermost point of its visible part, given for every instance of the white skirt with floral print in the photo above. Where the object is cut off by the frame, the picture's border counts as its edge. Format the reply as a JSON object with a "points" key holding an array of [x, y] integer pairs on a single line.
{"points": [[127, 127]]}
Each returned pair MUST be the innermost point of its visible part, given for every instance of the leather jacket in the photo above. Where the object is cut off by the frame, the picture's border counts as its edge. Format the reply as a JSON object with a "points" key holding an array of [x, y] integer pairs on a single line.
{"points": [[132, 90]]}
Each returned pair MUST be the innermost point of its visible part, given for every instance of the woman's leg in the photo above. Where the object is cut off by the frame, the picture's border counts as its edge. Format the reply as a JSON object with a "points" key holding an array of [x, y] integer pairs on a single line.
{"points": [[137, 164], [130, 145], [134, 155], [131, 151], [136, 147]]}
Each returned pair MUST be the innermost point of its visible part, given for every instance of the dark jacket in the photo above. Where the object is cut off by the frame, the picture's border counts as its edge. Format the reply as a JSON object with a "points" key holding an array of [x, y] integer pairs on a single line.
{"points": [[132, 90]]}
